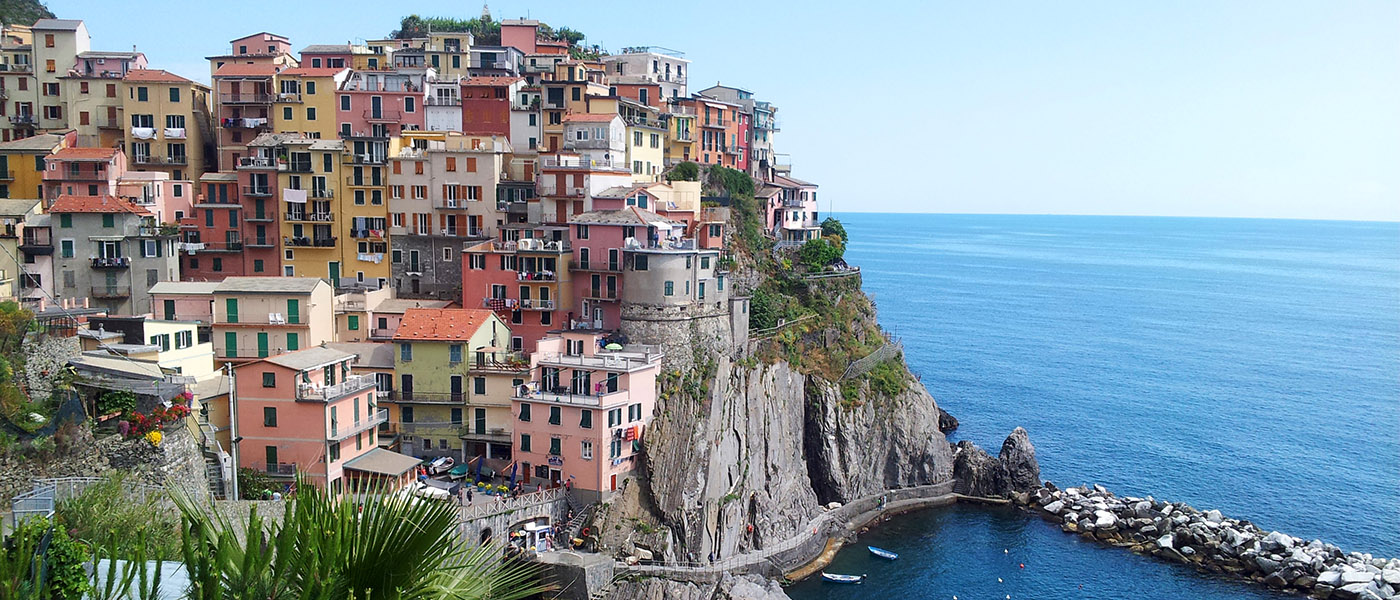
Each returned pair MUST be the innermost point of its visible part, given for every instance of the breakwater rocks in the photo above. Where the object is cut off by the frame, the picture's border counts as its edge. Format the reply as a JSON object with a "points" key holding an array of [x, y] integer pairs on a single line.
{"points": [[1212, 542]]}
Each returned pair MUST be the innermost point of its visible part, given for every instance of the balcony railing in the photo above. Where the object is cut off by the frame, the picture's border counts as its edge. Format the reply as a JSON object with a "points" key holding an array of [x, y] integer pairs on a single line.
{"points": [[262, 242], [536, 276], [222, 247], [117, 291], [311, 217], [564, 395], [333, 432], [597, 266], [308, 242], [352, 384], [280, 469], [428, 397], [289, 97], [17, 68], [382, 115], [245, 98], [322, 193], [260, 162], [634, 356], [158, 160], [109, 123], [363, 159], [113, 262], [257, 190], [447, 101], [381, 334], [25, 119], [260, 218], [599, 294]]}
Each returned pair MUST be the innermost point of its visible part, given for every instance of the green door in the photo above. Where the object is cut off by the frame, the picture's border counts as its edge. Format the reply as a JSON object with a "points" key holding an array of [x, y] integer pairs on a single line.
{"points": [[262, 345], [293, 311], [170, 310], [334, 269], [230, 345], [293, 343]]}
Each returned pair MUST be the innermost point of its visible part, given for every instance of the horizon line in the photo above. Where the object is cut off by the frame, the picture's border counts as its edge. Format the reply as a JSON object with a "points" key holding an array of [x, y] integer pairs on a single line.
{"points": [[1144, 216]]}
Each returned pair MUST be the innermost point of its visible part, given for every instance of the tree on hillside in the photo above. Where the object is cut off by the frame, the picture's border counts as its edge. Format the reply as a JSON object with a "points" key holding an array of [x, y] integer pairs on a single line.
{"points": [[484, 30], [23, 12], [832, 226], [686, 171]]}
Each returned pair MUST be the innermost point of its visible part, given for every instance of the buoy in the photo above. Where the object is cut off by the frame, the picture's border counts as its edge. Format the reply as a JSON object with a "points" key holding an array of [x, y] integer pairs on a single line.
{"points": [[1023, 565], [1006, 552], [998, 580], [586, 531]]}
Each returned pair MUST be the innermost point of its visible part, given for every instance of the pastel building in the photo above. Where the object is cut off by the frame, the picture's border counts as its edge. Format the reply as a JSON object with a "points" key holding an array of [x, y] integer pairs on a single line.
{"points": [[790, 209], [600, 238], [14, 215], [36, 273], [258, 317], [94, 94], [185, 301], [168, 124], [526, 278], [111, 251], [583, 415], [82, 172], [486, 104], [307, 412], [306, 101], [568, 182], [663, 67], [763, 125], [212, 234], [23, 163], [455, 383], [722, 135]]}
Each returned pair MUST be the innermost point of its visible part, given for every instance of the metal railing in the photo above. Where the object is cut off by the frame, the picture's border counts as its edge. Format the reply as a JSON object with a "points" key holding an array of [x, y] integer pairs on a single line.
{"points": [[637, 357], [382, 115], [365, 424], [245, 98], [307, 242], [571, 397], [352, 384], [43, 499], [113, 262], [257, 190], [111, 292], [310, 217]]}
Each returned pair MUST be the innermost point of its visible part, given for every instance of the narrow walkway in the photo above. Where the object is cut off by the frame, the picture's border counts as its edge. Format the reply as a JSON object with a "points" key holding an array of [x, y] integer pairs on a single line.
{"points": [[848, 517]]}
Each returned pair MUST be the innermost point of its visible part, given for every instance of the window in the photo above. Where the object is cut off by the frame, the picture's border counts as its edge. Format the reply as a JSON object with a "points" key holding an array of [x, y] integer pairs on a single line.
{"points": [[634, 412], [451, 163], [109, 220], [231, 308], [525, 412], [640, 263], [614, 417], [293, 342], [554, 446], [615, 449], [555, 415], [352, 322], [479, 385], [269, 412], [335, 451], [311, 113], [286, 113], [670, 288], [311, 87], [406, 414], [582, 232], [174, 94], [257, 265], [65, 221], [585, 450], [409, 105], [142, 94], [704, 262], [585, 419], [405, 352], [447, 254], [66, 246], [524, 442], [454, 353], [218, 265], [344, 102]]}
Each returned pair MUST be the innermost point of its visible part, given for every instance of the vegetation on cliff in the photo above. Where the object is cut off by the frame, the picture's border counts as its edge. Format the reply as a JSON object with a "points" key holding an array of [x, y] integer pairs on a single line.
{"points": [[23, 12], [485, 30]]}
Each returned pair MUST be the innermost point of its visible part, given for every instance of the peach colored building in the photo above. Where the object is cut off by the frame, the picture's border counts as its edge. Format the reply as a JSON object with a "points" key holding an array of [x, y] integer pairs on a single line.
{"points": [[82, 172], [583, 415], [307, 412], [258, 317], [184, 301]]}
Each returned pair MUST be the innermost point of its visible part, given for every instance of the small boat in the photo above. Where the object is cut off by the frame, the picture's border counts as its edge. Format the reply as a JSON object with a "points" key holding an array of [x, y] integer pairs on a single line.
{"points": [[882, 553], [834, 578]]}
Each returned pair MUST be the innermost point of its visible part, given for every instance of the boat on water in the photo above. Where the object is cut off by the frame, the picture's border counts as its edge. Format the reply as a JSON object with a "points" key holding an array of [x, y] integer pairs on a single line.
{"points": [[836, 578], [882, 553]]}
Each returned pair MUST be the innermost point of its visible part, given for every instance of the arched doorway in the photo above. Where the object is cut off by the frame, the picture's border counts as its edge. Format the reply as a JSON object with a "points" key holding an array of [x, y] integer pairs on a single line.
{"points": [[486, 536]]}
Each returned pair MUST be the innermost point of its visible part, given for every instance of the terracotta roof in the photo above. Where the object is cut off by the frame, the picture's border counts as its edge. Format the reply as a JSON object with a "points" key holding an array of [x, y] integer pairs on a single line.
{"points": [[95, 204], [85, 154], [239, 70], [589, 118], [443, 324], [315, 71], [154, 75], [491, 80]]}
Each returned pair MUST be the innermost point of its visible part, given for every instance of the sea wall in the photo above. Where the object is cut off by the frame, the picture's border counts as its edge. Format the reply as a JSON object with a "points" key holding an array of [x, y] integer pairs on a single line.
{"points": [[1211, 542]]}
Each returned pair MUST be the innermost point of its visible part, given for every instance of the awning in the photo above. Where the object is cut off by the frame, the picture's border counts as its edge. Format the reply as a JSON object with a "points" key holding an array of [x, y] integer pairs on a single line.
{"points": [[382, 462]]}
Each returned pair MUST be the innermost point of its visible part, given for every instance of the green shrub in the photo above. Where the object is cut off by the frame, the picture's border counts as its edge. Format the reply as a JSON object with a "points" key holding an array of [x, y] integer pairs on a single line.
{"points": [[832, 226], [116, 401], [818, 253], [58, 575], [686, 171], [108, 512], [252, 483]]}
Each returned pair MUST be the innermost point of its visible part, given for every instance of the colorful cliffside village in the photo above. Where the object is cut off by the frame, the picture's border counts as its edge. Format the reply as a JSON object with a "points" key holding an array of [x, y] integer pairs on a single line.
{"points": [[370, 263]]}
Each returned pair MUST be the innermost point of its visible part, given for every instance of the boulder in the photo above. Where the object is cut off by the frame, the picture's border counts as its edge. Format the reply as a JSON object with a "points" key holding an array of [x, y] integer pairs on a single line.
{"points": [[1391, 576], [1014, 471], [1349, 577], [1020, 470], [946, 423], [1105, 520], [1054, 507], [1332, 578]]}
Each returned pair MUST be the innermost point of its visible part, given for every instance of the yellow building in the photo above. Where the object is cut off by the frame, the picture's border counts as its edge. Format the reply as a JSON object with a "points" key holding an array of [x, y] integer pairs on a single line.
{"points": [[167, 124], [680, 134], [22, 164], [646, 140], [362, 222], [568, 92], [305, 101], [449, 53]]}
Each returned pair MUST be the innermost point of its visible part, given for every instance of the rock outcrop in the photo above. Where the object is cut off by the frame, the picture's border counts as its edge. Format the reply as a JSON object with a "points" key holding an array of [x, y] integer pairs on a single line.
{"points": [[1013, 471], [1212, 542], [730, 587], [947, 423]]}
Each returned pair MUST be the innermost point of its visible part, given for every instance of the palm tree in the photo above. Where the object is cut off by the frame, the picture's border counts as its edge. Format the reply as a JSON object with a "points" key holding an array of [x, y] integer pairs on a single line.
{"points": [[392, 547]]}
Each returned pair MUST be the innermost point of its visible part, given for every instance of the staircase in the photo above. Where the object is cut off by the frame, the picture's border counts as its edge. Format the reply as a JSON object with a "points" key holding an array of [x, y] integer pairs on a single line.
{"points": [[213, 462], [583, 513]]}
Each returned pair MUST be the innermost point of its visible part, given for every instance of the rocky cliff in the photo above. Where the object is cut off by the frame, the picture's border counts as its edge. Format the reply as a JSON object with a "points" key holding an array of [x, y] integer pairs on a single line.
{"points": [[1013, 471]]}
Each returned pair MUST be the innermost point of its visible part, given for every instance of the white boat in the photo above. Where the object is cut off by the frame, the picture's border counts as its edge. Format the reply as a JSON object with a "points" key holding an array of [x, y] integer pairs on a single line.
{"points": [[835, 578], [440, 465], [882, 553]]}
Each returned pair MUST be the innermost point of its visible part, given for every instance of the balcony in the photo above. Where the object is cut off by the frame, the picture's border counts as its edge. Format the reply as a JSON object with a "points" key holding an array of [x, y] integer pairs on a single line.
{"points": [[245, 98], [600, 294], [537, 276], [555, 162], [16, 68], [174, 133], [597, 265], [262, 242], [280, 469], [157, 231], [289, 97], [24, 120], [443, 101], [563, 395], [307, 242], [362, 159], [382, 116], [322, 193], [114, 262], [261, 162], [537, 245], [381, 334], [351, 180], [635, 356], [257, 190], [428, 397], [7, 175], [157, 160], [259, 218], [36, 243], [109, 123], [221, 247], [335, 433], [325, 393], [296, 166], [244, 123], [111, 292], [305, 217]]}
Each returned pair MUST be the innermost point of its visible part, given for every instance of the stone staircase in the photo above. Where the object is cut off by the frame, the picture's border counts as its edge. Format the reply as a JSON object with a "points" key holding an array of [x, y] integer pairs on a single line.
{"points": [[583, 513]]}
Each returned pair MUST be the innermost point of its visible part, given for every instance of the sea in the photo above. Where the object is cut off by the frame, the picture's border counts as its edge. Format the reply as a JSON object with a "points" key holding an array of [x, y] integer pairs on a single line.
{"points": [[1251, 366]]}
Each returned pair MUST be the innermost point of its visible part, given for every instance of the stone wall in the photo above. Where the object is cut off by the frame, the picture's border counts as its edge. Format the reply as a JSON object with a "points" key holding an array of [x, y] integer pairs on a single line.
{"points": [[178, 460], [682, 332], [44, 357], [439, 279]]}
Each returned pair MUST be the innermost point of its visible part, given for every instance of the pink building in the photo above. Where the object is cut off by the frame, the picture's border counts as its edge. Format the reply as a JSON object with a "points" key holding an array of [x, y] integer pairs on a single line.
{"points": [[184, 301], [82, 172], [598, 239], [583, 416], [170, 200], [306, 412], [380, 104], [526, 278], [790, 209]]}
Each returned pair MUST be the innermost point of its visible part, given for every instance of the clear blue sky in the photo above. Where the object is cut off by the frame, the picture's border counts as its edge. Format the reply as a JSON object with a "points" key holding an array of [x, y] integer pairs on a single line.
{"points": [[1269, 108]]}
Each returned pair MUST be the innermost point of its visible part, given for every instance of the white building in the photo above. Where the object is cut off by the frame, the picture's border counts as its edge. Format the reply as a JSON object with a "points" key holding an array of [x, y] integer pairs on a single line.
{"points": [[650, 64]]}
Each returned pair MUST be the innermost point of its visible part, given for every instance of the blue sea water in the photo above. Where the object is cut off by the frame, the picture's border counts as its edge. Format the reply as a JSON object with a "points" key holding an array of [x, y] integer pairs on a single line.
{"points": [[1247, 365]]}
